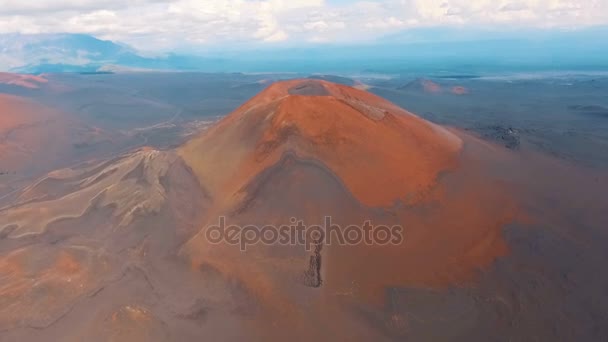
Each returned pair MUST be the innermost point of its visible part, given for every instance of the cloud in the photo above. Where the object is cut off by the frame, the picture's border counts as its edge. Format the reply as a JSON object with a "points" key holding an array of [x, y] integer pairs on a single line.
{"points": [[158, 24], [514, 6], [54, 6]]}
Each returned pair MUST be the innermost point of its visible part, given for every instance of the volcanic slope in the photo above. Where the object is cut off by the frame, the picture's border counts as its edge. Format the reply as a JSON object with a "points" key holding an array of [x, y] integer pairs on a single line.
{"points": [[30, 134], [91, 247], [35, 139], [307, 149], [381, 152]]}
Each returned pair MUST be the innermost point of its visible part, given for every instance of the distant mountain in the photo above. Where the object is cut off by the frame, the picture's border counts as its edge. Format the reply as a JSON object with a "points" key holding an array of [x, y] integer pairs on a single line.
{"points": [[425, 51], [421, 85], [53, 52], [80, 53]]}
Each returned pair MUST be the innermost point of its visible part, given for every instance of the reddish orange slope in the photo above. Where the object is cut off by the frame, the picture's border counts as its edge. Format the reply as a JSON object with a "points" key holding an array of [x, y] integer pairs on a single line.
{"points": [[17, 114], [380, 151], [307, 149], [35, 138], [381, 154]]}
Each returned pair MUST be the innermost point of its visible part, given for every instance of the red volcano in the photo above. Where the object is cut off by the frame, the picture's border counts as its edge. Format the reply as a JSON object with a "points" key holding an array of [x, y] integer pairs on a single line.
{"points": [[309, 149]]}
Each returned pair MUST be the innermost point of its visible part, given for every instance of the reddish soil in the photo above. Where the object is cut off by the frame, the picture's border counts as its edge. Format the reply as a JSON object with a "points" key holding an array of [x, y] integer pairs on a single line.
{"points": [[431, 87], [459, 90]]}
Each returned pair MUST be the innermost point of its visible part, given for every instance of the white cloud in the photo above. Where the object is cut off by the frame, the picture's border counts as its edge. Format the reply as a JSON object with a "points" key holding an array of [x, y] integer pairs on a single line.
{"points": [[514, 6], [153, 24]]}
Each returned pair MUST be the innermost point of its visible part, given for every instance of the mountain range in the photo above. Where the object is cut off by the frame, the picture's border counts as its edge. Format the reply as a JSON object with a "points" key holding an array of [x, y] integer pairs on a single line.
{"points": [[457, 50], [81, 53]]}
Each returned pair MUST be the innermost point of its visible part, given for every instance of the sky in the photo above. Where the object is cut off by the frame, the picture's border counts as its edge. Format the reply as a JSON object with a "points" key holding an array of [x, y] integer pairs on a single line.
{"points": [[157, 25]]}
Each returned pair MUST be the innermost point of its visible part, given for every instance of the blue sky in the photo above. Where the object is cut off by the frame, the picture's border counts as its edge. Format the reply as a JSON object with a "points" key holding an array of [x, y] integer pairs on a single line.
{"points": [[181, 24]]}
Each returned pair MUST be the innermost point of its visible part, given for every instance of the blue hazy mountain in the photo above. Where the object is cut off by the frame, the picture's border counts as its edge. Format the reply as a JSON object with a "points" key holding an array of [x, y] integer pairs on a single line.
{"points": [[424, 50], [81, 53], [58, 52]]}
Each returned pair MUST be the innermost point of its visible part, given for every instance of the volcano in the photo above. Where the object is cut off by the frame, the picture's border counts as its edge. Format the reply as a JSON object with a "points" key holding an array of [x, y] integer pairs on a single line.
{"points": [[310, 149], [120, 249]]}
